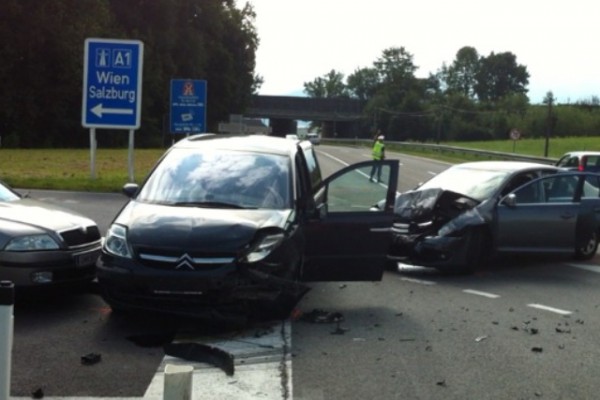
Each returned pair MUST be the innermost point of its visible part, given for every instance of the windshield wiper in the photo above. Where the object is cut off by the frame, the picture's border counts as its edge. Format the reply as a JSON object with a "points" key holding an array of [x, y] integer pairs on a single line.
{"points": [[208, 204]]}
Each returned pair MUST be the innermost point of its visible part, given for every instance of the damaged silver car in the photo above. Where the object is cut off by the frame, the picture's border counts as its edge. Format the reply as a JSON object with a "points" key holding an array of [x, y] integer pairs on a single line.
{"points": [[472, 211]]}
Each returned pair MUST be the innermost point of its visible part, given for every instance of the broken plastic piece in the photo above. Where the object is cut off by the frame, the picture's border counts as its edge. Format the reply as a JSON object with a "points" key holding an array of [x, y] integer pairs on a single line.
{"points": [[202, 353], [91, 359]]}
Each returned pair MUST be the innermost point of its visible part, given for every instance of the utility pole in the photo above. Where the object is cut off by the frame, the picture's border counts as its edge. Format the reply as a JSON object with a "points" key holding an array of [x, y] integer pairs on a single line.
{"points": [[549, 123]]}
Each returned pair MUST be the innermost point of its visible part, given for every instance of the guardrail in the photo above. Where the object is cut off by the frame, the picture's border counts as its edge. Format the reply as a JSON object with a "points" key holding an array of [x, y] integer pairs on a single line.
{"points": [[496, 155]]}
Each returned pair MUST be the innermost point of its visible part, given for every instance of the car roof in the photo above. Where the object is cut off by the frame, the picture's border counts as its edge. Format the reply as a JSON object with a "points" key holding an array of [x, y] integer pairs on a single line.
{"points": [[582, 153], [248, 143], [504, 165]]}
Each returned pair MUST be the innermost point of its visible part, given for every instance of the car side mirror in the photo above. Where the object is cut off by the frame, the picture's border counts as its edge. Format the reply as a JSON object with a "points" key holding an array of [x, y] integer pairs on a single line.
{"points": [[130, 189], [510, 200]]}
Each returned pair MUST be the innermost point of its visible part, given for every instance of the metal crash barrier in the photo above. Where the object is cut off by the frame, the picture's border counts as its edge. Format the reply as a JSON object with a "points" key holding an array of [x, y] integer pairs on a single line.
{"points": [[7, 300]]}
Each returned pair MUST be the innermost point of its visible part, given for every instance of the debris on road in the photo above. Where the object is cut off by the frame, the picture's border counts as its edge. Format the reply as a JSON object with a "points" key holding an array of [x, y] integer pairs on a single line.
{"points": [[537, 349], [38, 394], [91, 359], [322, 317], [481, 338], [202, 353]]}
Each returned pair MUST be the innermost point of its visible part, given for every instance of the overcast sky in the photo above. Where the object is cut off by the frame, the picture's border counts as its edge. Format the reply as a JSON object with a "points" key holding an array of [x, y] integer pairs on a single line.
{"points": [[558, 41]]}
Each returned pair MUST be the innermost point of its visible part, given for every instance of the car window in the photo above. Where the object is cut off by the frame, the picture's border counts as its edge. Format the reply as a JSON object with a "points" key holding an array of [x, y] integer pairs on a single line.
{"points": [[568, 161], [354, 191], [591, 187], [554, 189], [592, 161], [313, 167], [243, 179]]}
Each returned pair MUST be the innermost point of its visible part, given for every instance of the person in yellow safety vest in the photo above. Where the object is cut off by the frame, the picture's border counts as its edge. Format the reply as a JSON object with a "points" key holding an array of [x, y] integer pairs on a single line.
{"points": [[378, 155]]}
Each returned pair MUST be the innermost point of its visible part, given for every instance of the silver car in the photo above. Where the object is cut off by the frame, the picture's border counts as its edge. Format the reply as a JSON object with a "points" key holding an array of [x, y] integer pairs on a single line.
{"points": [[45, 245], [456, 220]]}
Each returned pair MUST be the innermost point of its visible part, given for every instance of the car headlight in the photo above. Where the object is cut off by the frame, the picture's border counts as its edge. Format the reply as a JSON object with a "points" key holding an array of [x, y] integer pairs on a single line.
{"points": [[32, 243], [116, 241], [263, 247]]}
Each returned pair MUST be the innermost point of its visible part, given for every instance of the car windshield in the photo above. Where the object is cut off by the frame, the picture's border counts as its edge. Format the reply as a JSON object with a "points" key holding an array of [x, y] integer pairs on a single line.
{"points": [[6, 194], [479, 184], [220, 179]]}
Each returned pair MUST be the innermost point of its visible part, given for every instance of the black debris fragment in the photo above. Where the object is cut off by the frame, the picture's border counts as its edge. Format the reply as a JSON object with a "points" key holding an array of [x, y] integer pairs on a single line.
{"points": [[91, 359], [560, 330], [38, 394], [322, 317], [533, 331], [441, 383], [537, 349], [202, 353]]}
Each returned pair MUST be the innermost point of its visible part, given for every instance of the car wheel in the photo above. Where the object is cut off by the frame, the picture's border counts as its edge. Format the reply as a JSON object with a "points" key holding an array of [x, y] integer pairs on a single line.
{"points": [[391, 265], [478, 252], [588, 249]]}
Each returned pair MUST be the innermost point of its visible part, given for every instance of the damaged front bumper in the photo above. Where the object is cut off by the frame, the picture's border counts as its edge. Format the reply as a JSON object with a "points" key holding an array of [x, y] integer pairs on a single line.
{"points": [[234, 292]]}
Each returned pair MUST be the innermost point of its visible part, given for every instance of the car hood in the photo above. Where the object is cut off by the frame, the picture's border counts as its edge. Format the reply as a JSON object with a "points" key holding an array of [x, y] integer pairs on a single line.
{"points": [[27, 216], [200, 229], [428, 204]]}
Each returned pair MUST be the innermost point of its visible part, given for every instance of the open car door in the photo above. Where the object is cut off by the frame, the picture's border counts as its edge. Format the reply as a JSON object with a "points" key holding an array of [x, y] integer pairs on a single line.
{"points": [[348, 238]]}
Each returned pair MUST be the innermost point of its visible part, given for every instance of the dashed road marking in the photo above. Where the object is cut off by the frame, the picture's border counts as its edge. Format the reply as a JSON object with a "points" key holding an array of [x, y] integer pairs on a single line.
{"points": [[551, 309], [419, 281], [588, 267], [479, 293]]}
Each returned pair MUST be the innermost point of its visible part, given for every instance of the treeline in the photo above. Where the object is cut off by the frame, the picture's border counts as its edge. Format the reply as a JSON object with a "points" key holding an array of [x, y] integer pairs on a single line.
{"points": [[42, 63], [474, 98]]}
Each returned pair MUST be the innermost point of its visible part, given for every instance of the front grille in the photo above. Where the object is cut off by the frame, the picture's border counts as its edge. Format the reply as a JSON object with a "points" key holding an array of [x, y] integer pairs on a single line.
{"points": [[81, 236], [179, 260]]}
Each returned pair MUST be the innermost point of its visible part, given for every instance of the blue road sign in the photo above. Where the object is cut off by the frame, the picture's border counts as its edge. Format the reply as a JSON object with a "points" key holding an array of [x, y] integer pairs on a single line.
{"points": [[112, 83], [188, 106]]}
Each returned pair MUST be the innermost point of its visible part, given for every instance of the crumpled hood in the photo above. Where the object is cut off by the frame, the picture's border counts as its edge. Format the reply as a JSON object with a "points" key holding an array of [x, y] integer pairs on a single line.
{"points": [[31, 216], [196, 228], [421, 205]]}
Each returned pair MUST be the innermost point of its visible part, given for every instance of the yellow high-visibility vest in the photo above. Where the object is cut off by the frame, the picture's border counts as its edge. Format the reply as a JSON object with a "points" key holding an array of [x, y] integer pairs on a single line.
{"points": [[378, 150]]}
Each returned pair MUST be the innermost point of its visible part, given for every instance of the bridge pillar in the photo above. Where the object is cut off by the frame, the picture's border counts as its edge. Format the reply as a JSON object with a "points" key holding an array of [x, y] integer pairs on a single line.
{"points": [[280, 127]]}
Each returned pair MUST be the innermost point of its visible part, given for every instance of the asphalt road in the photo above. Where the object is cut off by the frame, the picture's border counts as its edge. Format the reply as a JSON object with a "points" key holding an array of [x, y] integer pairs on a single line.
{"points": [[519, 329]]}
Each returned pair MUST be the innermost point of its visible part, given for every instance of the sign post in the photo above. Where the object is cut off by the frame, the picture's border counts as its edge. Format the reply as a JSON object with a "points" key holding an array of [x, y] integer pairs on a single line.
{"points": [[112, 89], [188, 106]]}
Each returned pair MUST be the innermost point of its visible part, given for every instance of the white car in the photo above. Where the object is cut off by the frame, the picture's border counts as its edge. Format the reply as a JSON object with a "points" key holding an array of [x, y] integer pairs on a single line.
{"points": [[314, 138]]}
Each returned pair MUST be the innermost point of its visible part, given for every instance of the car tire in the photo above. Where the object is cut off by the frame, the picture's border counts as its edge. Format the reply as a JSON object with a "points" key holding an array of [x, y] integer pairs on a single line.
{"points": [[588, 249], [478, 252], [391, 265]]}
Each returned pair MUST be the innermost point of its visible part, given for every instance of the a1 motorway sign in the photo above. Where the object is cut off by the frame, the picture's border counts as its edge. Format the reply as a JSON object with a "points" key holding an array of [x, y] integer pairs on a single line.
{"points": [[112, 83], [188, 106]]}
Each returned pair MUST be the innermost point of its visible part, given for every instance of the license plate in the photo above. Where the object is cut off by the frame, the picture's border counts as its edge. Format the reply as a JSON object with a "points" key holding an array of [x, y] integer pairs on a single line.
{"points": [[86, 259]]}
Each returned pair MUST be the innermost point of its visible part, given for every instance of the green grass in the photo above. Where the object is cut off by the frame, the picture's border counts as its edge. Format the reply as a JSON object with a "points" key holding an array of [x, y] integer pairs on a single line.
{"points": [[70, 169]]}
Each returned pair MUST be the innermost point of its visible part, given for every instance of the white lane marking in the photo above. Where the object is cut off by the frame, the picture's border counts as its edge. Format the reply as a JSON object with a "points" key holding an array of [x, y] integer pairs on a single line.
{"points": [[479, 293], [587, 267], [551, 309], [419, 281], [334, 158]]}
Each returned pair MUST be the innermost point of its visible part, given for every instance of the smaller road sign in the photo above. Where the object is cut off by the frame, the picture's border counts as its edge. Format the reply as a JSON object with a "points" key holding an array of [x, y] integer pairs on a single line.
{"points": [[188, 106], [112, 83]]}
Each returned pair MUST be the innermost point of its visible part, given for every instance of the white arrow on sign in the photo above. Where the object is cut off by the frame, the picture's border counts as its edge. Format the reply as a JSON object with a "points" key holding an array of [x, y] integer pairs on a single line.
{"points": [[99, 110]]}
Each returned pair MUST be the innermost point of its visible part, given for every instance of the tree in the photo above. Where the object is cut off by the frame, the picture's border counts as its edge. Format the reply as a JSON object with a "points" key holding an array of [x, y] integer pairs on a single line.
{"points": [[363, 83], [328, 86], [461, 76], [498, 75]]}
